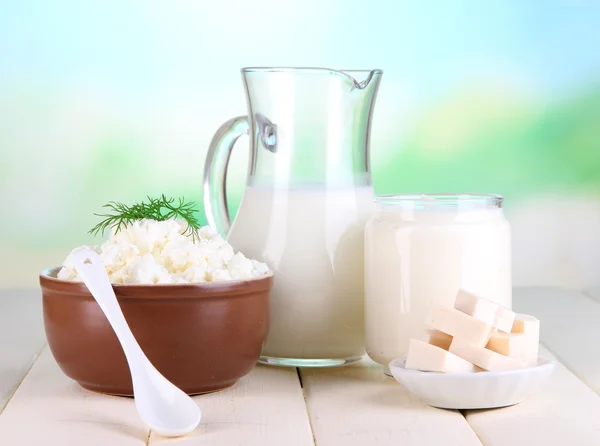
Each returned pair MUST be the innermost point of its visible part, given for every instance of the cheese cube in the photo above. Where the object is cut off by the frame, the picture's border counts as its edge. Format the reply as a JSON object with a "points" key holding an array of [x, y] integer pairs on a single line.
{"points": [[504, 319], [437, 338], [530, 328], [485, 310], [508, 344], [458, 325], [475, 306], [482, 357], [429, 358]]}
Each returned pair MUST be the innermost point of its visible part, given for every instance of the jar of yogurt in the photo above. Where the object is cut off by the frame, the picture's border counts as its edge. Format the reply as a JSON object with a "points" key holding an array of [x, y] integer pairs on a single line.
{"points": [[420, 250]]}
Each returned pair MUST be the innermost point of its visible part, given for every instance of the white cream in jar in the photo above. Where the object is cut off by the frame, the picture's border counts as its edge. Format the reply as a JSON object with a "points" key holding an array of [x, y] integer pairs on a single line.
{"points": [[421, 250]]}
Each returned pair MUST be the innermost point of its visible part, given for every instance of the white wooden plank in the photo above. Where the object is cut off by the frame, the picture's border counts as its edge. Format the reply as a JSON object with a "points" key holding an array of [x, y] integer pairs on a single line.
{"points": [[21, 337], [593, 292], [565, 412], [265, 408], [49, 409], [358, 405], [569, 327]]}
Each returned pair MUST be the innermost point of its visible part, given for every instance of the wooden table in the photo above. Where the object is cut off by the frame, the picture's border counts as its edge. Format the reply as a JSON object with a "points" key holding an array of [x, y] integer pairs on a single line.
{"points": [[355, 405]]}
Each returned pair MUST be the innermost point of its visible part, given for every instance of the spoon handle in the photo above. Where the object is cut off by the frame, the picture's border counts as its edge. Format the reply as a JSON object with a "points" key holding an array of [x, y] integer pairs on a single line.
{"points": [[91, 269]]}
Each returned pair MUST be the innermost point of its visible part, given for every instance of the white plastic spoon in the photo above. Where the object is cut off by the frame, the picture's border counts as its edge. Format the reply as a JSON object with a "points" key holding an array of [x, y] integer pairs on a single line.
{"points": [[166, 409]]}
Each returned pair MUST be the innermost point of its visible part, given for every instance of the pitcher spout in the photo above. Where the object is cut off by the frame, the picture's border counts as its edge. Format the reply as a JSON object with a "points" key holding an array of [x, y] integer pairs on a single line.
{"points": [[367, 76]]}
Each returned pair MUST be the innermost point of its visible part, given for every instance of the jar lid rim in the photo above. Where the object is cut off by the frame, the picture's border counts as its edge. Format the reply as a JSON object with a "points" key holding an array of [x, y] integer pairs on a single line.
{"points": [[443, 199]]}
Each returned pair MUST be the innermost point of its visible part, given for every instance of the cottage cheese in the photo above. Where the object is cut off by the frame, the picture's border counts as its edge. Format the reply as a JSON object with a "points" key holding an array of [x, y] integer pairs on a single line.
{"points": [[152, 252]]}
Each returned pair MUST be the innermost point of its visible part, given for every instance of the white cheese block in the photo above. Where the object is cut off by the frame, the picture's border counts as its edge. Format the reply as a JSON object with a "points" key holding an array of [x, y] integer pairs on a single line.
{"points": [[504, 319], [459, 325], [437, 338], [508, 344], [429, 358], [530, 328], [482, 357], [485, 310]]}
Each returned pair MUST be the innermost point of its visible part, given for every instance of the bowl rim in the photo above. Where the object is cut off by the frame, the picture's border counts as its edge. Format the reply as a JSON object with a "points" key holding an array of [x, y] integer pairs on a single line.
{"points": [[48, 280], [398, 364]]}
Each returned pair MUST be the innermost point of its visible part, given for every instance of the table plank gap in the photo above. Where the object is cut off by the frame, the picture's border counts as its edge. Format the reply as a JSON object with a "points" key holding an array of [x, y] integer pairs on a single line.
{"points": [[593, 292], [67, 415], [358, 405], [22, 333], [16, 387], [265, 408], [564, 412], [310, 423], [569, 323]]}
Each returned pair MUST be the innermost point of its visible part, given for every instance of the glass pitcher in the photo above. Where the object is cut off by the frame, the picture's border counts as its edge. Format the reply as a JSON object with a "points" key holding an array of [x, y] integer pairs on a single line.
{"points": [[307, 199]]}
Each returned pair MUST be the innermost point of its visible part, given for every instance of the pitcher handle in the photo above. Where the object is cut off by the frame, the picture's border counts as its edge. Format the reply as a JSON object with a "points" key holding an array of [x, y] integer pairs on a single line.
{"points": [[214, 194]]}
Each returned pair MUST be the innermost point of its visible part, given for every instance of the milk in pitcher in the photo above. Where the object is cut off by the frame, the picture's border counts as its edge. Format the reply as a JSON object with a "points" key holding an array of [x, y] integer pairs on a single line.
{"points": [[313, 239]]}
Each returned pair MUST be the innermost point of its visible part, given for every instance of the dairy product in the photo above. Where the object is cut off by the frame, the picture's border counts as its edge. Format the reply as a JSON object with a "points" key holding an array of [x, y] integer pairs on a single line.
{"points": [[529, 326], [482, 357], [158, 252], [473, 340], [486, 311], [418, 253], [313, 239], [437, 338], [504, 319], [508, 344], [458, 325], [430, 358]]}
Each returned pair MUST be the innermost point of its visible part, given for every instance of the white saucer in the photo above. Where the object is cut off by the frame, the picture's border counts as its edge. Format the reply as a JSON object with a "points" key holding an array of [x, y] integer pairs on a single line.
{"points": [[481, 390]]}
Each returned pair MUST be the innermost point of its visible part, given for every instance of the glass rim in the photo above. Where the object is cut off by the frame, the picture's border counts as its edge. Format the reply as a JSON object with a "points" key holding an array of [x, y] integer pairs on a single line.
{"points": [[310, 70], [441, 198]]}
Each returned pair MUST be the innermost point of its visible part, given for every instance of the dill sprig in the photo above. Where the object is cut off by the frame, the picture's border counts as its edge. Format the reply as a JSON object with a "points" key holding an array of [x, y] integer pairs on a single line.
{"points": [[159, 209]]}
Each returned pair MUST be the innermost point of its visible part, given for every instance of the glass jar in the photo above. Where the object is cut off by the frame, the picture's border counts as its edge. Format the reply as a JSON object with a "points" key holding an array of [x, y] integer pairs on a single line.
{"points": [[420, 250]]}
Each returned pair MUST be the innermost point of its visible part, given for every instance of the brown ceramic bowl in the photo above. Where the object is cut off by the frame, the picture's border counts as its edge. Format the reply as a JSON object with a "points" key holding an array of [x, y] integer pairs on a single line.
{"points": [[202, 337]]}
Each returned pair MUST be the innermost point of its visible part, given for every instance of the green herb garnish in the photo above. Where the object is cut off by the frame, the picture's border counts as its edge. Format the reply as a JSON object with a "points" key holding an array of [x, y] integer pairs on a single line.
{"points": [[159, 209]]}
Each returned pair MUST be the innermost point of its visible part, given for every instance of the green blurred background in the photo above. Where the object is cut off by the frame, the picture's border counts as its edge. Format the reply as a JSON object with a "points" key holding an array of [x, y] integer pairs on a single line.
{"points": [[114, 100]]}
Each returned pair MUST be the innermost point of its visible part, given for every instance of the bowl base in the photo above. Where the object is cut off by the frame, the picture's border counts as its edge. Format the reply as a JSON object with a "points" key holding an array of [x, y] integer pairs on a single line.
{"points": [[129, 394], [296, 362], [479, 407]]}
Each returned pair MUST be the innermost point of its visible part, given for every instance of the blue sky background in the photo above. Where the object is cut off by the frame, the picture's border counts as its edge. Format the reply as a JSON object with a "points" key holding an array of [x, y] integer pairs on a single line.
{"points": [[131, 45]]}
